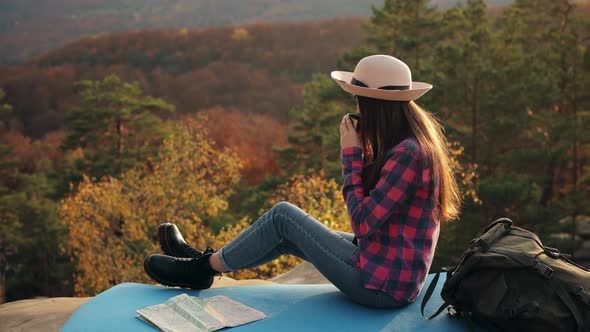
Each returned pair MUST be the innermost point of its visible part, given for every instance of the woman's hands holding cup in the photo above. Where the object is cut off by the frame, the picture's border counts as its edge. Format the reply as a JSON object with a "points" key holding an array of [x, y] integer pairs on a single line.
{"points": [[348, 135]]}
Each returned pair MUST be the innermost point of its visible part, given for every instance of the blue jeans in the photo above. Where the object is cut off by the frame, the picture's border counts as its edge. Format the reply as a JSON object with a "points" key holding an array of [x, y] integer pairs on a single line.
{"points": [[287, 229]]}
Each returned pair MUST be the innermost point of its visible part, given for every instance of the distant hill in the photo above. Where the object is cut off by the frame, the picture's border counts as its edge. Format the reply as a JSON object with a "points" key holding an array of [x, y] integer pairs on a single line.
{"points": [[257, 68], [30, 27]]}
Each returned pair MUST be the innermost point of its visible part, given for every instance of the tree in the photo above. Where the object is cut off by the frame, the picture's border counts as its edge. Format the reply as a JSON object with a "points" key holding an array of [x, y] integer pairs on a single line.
{"points": [[9, 224], [34, 264], [29, 232], [116, 127], [314, 137], [251, 135], [7, 162], [113, 223], [406, 29], [544, 48], [465, 63]]}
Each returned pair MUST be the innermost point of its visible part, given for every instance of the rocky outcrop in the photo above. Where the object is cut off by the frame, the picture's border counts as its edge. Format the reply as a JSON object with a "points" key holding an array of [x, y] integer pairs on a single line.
{"points": [[49, 314]]}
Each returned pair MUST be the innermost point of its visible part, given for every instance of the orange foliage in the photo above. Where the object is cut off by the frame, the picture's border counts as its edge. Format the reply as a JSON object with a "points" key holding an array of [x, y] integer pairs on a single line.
{"points": [[31, 152], [191, 69], [251, 135]]}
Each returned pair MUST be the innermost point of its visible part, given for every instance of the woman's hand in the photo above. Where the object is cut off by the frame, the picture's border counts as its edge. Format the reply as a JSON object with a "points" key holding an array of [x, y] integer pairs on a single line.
{"points": [[348, 136]]}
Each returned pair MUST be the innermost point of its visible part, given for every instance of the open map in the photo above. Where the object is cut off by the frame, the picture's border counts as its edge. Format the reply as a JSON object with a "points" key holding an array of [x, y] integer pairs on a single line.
{"points": [[188, 313]]}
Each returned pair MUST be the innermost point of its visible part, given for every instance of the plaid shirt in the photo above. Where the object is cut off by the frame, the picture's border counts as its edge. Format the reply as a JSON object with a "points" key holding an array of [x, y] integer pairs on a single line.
{"points": [[395, 225]]}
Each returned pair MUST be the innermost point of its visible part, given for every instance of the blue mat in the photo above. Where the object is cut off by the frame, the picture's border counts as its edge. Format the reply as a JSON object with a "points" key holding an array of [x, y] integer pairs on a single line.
{"points": [[289, 308]]}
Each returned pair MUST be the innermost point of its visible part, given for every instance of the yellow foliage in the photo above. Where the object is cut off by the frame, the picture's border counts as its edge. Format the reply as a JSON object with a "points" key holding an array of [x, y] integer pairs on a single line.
{"points": [[113, 223], [467, 175], [315, 194], [183, 32], [240, 34]]}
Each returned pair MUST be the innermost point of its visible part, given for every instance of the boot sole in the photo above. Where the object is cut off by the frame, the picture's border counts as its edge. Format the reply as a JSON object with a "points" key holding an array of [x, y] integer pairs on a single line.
{"points": [[165, 283], [163, 240]]}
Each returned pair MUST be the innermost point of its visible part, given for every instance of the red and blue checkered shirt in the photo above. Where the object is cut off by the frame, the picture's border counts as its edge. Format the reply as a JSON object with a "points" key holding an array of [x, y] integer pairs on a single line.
{"points": [[396, 225]]}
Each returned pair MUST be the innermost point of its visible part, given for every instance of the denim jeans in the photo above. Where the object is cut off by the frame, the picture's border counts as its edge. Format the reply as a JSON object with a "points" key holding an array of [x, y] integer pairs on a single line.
{"points": [[287, 229]]}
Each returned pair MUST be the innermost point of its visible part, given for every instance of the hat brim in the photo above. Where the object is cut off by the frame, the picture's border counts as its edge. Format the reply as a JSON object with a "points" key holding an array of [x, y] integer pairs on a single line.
{"points": [[417, 89]]}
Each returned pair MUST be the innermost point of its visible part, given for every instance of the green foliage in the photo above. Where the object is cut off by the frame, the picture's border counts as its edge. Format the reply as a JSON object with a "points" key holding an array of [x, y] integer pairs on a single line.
{"points": [[35, 267], [465, 70], [30, 234], [248, 201], [406, 28], [315, 138], [116, 128]]}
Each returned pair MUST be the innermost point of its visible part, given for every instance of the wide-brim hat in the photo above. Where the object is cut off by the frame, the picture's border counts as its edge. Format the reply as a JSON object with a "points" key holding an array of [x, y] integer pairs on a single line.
{"points": [[381, 77]]}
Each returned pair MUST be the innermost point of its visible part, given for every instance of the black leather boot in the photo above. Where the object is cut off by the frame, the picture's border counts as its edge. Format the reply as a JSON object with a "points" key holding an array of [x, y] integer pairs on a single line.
{"points": [[193, 273], [173, 244]]}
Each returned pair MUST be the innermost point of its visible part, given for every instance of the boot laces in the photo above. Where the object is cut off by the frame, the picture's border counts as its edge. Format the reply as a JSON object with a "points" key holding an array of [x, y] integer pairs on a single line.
{"points": [[189, 262], [211, 251], [192, 251]]}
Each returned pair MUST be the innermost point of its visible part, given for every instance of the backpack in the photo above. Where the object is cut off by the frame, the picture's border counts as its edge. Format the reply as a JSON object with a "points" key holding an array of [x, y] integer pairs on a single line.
{"points": [[508, 279]]}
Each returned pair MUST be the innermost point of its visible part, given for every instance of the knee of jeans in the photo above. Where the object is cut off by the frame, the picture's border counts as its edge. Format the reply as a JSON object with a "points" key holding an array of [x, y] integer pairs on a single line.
{"points": [[282, 206]]}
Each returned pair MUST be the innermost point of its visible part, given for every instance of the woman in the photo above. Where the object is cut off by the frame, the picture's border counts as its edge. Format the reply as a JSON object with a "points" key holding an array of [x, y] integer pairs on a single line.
{"points": [[398, 187]]}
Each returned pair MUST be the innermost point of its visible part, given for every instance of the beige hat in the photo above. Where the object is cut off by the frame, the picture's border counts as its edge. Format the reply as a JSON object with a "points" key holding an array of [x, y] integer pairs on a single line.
{"points": [[382, 77]]}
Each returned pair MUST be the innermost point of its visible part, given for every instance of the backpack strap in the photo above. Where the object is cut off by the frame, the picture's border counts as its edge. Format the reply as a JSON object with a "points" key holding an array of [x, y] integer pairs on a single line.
{"points": [[541, 268], [567, 300], [427, 296]]}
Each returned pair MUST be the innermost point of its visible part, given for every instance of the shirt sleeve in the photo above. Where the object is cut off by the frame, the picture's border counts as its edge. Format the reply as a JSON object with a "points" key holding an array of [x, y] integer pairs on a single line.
{"points": [[395, 185]]}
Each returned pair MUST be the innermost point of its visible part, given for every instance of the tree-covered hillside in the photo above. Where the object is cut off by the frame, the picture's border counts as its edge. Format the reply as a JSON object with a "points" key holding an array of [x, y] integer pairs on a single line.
{"points": [[257, 68], [30, 27]]}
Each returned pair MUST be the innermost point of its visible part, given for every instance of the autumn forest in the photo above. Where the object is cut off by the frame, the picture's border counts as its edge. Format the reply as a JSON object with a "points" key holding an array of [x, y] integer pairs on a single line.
{"points": [[107, 137]]}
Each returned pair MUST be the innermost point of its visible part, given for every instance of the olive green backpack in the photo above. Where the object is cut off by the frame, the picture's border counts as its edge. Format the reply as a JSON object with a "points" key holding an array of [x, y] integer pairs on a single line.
{"points": [[508, 279]]}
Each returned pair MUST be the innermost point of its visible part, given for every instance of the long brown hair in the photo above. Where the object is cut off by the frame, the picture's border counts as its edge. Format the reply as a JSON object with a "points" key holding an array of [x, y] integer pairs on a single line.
{"points": [[384, 124]]}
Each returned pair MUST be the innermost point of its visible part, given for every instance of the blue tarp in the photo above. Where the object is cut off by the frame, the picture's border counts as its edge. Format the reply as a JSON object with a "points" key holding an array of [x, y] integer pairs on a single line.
{"points": [[289, 308]]}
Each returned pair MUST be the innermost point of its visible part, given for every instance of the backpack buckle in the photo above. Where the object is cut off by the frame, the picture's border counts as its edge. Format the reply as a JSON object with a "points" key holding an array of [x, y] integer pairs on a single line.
{"points": [[543, 269], [583, 295], [495, 231], [552, 252], [453, 312]]}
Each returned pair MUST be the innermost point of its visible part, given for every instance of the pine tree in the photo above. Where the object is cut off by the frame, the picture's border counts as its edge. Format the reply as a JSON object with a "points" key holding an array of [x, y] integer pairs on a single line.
{"points": [[116, 127], [547, 37], [408, 30], [465, 68]]}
